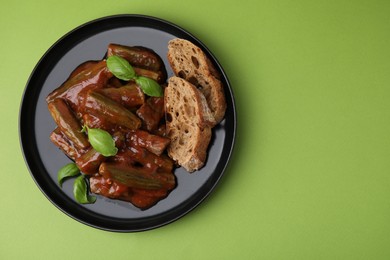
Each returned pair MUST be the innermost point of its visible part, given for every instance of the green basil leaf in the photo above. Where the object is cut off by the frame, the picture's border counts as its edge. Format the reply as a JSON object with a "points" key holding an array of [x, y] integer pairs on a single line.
{"points": [[68, 170], [120, 67], [149, 86], [102, 142], [80, 191]]}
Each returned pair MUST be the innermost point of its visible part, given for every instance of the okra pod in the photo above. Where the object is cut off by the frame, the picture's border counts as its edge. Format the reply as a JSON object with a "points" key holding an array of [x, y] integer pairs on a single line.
{"points": [[130, 95], [158, 76], [68, 123], [153, 143], [93, 76], [82, 68], [110, 111], [90, 161], [148, 159], [136, 177], [60, 140], [137, 56], [109, 188]]}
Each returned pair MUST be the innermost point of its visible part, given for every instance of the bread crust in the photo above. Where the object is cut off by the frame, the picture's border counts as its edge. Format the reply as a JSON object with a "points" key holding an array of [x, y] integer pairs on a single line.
{"points": [[189, 62], [188, 123]]}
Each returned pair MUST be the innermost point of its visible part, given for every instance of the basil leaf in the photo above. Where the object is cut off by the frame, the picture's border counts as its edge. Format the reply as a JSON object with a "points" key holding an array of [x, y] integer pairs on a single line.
{"points": [[66, 171], [149, 86], [80, 191], [120, 67], [102, 142]]}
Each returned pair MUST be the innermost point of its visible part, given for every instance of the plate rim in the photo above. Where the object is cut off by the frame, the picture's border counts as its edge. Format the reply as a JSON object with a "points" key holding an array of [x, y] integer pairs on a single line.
{"points": [[119, 222]]}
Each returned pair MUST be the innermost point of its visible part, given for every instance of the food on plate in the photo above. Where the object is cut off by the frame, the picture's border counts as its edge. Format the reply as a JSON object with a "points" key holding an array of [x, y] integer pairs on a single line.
{"points": [[188, 122], [126, 127], [189, 62], [111, 128]]}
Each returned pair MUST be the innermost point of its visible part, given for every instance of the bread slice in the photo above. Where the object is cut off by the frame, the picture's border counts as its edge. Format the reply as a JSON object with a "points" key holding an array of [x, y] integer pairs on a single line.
{"points": [[189, 62], [188, 123]]}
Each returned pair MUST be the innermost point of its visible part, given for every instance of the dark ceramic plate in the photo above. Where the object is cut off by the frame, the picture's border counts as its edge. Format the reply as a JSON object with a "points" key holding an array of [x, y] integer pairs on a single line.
{"points": [[89, 42]]}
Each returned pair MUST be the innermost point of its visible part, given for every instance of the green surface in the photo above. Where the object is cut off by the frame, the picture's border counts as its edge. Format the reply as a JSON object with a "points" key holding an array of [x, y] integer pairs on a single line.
{"points": [[310, 176]]}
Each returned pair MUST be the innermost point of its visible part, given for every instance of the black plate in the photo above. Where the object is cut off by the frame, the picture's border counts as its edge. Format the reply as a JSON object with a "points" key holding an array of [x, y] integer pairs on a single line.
{"points": [[89, 42]]}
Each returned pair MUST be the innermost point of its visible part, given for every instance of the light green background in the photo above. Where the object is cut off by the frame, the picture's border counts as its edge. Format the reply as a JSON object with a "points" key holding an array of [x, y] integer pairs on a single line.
{"points": [[310, 175]]}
